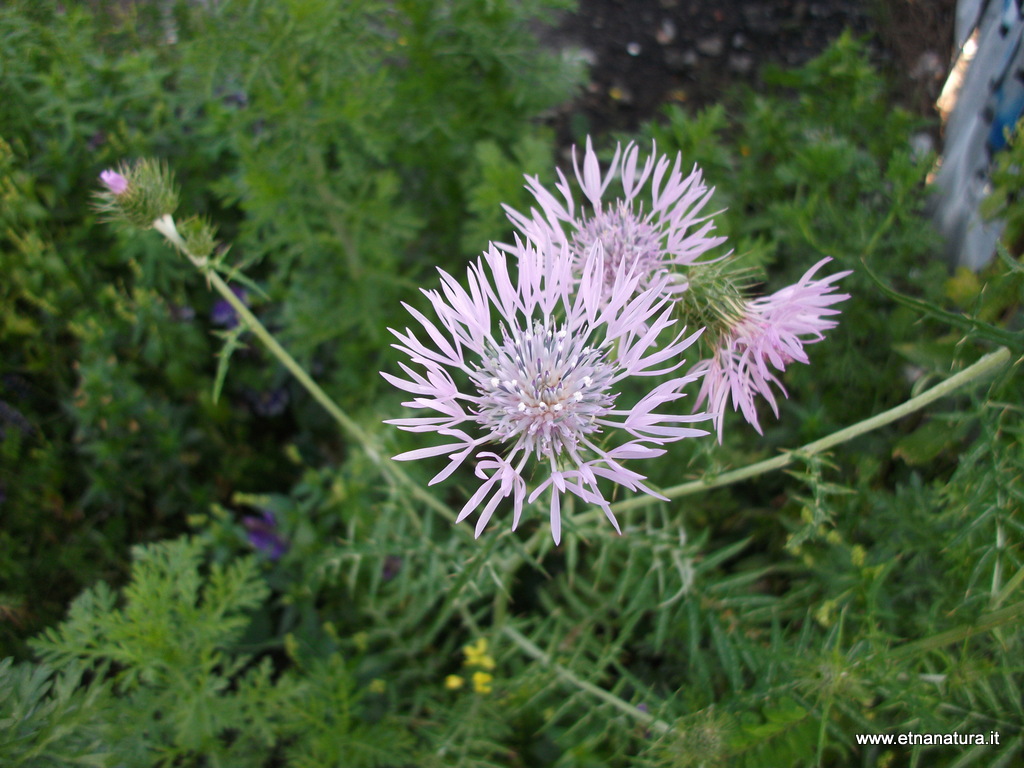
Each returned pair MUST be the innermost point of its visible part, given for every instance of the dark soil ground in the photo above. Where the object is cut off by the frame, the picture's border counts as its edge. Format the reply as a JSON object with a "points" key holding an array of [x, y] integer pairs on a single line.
{"points": [[646, 53]]}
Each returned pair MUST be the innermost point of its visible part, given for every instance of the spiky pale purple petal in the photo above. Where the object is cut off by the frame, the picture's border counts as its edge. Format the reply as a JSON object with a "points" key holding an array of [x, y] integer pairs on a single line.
{"points": [[771, 334], [114, 181], [520, 373]]}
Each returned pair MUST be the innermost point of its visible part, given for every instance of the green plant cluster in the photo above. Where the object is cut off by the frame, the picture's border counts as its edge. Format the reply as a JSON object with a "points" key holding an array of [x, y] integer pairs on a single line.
{"points": [[345, 150], [1004, 202], [337, 146]]}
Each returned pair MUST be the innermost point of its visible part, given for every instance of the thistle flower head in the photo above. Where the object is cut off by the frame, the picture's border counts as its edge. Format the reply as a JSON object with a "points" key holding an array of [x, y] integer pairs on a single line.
{"points": [[139, 193], [667, 235], [521, 374], [768, 334]]}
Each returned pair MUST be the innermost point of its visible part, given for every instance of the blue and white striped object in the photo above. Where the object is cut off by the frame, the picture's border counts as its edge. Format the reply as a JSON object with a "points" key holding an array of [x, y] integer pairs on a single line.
{"points": [[990, 101]]}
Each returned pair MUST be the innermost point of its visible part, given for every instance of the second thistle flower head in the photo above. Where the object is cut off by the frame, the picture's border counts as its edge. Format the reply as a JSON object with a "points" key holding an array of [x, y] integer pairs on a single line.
{"points": [[652, 235], [765, 336], [521, 373]]}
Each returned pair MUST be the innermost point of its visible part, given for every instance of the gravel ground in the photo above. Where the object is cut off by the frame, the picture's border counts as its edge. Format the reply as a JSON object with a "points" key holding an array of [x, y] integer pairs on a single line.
{"points": [[645, 53]]}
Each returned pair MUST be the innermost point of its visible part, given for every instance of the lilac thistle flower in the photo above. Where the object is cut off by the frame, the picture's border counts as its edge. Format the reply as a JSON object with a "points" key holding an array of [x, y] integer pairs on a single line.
{"points": [[223, 314], [538, 360], [669, 235], [114, 182], [770, 334]]}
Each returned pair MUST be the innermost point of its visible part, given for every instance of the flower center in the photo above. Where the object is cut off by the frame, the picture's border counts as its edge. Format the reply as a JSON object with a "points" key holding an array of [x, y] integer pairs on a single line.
{"points": [[543, 388], [628, 241]]}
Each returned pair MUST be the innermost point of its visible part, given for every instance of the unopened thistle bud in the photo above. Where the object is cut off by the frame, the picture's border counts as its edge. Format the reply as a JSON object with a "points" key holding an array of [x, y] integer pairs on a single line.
{"points": [[139, 194], [199, 236]]}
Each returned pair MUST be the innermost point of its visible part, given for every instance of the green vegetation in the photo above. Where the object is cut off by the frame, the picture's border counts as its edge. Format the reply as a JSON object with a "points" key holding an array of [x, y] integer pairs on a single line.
{"points": [[153, 451]]}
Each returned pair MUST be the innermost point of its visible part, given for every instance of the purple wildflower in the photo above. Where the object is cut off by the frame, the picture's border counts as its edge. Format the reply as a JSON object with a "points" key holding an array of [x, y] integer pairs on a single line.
{"points": [[114, 182], [670, 234], [538, 359], [223, 314], [263, 534], [771, 334]]}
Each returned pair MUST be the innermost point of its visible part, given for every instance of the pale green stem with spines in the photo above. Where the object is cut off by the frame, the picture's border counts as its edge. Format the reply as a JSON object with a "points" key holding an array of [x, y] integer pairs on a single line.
{"points": [[165, 226]]}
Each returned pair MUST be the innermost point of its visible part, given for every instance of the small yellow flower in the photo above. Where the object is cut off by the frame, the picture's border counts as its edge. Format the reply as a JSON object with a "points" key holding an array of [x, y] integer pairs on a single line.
{"points": [[482, 682], [453, 682], [477, 656], [378, 686], [474, 650]]}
